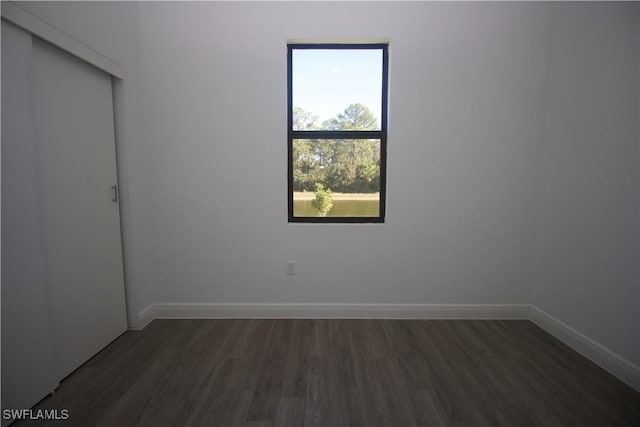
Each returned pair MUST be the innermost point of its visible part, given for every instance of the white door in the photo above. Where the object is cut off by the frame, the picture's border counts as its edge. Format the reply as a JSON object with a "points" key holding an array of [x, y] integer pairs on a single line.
{"points": [[76, 149]]}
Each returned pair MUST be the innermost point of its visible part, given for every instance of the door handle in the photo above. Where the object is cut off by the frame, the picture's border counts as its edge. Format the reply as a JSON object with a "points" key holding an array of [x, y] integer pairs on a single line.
{"points": [[114, 188]]}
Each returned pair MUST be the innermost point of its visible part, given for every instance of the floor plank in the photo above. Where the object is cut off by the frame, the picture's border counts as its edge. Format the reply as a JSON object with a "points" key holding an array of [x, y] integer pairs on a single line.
{"points": [[341, 373]]}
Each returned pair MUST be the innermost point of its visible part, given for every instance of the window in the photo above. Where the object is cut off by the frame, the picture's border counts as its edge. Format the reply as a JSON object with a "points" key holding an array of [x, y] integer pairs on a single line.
{"points": [[337, 132]]}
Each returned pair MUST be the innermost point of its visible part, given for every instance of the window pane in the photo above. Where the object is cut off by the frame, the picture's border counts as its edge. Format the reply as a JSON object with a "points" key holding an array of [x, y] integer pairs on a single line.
{"points": [[348, 168], [337, 89]]}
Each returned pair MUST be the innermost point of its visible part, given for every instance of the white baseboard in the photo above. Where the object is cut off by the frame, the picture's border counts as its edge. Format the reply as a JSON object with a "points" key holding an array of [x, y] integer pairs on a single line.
{"points": [[145, 317], [597, 353], [333, 311]]}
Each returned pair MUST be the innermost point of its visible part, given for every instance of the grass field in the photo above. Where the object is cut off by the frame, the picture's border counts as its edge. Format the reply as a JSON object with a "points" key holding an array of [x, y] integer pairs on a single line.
{"points": [[344, 204]]}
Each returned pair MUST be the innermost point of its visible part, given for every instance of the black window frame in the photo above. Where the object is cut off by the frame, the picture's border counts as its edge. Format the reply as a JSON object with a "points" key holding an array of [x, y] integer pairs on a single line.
{"points": [[333, 134]]}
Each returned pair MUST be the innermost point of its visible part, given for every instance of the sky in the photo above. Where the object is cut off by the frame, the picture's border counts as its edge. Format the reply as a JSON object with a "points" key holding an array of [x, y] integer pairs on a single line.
{"points": [[325, 82]]}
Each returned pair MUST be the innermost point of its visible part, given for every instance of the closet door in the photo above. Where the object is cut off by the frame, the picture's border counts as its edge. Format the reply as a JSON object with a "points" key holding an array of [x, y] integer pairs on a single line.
{"points": [[76, 150]]}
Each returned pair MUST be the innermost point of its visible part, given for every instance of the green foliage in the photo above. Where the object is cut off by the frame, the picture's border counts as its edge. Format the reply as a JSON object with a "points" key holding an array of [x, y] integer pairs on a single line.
{"points": [[304, 120], [354, 117], [323, 201], [344, 165]]}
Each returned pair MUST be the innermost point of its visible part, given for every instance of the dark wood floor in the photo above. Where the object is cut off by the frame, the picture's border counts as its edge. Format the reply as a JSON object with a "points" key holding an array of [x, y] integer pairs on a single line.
{"points": [[342, 373]]}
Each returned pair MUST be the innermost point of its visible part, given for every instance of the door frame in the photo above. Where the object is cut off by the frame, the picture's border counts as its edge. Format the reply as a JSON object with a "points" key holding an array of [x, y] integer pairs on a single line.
{"points": [[15, 14]]}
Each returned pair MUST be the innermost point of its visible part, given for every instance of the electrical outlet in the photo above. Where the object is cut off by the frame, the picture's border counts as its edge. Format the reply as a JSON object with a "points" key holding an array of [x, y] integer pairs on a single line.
{"points": [[291, 268]]}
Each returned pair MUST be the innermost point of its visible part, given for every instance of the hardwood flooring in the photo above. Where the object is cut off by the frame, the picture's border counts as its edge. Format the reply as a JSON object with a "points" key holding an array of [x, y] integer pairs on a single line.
{"points": [[341, 373]]}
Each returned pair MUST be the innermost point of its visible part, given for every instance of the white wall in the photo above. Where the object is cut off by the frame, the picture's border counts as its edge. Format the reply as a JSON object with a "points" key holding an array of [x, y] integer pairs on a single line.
{"points": [[586, 264], [465, 112]]}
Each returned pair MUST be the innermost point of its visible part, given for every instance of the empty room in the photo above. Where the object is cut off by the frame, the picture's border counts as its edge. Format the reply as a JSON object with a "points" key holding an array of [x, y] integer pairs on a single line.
{"points": [[320, 213]]}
